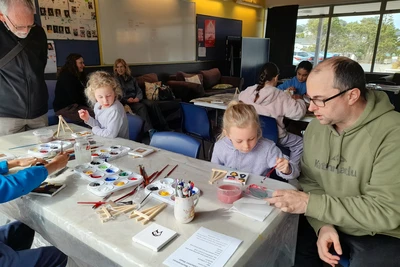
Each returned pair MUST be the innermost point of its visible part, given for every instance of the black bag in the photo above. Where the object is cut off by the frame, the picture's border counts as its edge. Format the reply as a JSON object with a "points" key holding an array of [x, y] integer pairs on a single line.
{"points": [[165, 93]]}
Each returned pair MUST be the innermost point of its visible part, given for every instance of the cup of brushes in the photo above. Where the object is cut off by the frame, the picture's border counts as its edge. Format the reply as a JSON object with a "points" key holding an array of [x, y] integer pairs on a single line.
{"points": [[185, 201]]}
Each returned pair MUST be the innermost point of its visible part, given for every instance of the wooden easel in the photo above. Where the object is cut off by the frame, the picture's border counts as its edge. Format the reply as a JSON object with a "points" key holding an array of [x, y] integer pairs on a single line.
{"points": [[216, 175], [148, 214], [111, 210], [62, 123]]}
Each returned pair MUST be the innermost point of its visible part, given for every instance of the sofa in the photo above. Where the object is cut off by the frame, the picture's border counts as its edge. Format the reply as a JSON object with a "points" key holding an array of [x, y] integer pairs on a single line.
{"points": [[204, 83]]}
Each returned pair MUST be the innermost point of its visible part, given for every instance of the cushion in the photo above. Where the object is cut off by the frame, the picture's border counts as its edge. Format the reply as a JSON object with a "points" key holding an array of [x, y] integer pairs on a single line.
{"points": [[151, 90], [150, 78], [180, 76], [222, 86], [193, 79], [210, 77]]}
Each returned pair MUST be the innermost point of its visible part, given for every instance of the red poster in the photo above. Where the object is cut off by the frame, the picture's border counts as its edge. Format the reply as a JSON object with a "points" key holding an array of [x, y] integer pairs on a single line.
{"points": [[209, 26], [200, 35]]}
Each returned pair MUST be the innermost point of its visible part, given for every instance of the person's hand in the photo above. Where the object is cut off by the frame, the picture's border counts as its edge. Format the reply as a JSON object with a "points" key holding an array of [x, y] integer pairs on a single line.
{"points": [[83, 114], [291, 201], [282, 165], [291, 89], [25, 162], [130, 100], [58, 162], [326, 237]]}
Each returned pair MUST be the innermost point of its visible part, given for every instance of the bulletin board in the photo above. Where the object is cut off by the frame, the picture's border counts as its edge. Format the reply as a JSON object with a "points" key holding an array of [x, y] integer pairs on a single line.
{"points": [[68, 19]]}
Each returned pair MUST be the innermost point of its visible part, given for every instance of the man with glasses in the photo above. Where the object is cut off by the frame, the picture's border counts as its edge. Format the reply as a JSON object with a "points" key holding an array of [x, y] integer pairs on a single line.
{"points": [[23, 57], [350, 172]]}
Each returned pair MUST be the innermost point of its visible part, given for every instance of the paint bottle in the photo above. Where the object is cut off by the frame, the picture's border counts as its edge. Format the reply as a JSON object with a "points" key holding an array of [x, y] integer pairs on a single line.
{"points": [[82, 150]]}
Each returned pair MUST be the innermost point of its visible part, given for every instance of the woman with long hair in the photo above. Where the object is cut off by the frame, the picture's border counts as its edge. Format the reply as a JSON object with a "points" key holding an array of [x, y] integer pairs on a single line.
{"points": [[70, 89]]}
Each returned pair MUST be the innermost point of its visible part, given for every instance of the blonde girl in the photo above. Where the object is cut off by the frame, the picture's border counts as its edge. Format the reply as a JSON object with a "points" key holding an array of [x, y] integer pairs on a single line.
{"points": [[241, 146], [110, 119]]}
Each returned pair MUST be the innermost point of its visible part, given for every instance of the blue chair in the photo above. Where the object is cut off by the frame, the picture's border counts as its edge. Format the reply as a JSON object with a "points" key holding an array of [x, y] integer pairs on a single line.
{"points": [[51, 115], [135, 124], [176, 142], [269, 128], [195, 122]]}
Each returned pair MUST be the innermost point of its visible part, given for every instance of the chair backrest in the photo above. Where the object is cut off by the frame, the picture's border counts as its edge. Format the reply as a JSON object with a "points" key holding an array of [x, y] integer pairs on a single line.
{"points": [[51, 88], [195, 121], [135, 125], [269, 128], [176, 142]]}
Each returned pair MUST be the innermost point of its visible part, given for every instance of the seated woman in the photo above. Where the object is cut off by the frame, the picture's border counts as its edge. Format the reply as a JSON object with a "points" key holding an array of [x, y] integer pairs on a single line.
{"points": [[70, 89], [297, 84], [133, 96], [269, 101]]}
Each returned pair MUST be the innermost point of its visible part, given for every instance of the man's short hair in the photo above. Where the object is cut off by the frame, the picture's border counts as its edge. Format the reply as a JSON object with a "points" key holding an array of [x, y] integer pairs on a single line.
{"points": [[5, 5], [347, 74]]}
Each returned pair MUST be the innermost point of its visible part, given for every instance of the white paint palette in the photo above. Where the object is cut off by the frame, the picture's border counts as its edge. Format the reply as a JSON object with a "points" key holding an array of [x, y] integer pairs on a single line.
{"points": [[164, 190], [49, 149], [110, 153], [106, 178]]}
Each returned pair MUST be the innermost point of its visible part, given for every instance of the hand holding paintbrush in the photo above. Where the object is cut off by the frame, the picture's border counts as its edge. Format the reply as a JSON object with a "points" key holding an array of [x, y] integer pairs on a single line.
{"points": [[282, 165]]}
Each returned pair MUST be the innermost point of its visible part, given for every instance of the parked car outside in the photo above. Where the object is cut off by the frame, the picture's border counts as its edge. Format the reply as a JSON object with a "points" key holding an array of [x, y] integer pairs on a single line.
{"points": [[299, 56]]}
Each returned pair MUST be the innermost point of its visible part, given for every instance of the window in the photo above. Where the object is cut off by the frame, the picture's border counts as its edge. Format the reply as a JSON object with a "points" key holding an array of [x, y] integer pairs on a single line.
{"points": [[353, 32]]}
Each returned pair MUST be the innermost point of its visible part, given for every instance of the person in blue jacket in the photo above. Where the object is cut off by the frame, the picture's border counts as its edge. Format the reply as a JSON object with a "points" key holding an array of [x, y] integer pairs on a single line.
{"points": [[298, 83], [16, 238]]}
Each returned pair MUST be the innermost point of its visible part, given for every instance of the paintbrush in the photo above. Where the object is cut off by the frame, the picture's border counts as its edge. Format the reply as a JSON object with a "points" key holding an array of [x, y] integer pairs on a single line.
{"points": [[22, 146], [173, 169], [268, 174], [127, 195], [95, 206], [158, 174]]}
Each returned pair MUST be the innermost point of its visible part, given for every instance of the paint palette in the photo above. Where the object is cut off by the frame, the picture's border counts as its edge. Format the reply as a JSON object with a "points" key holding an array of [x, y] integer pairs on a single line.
{"points": [[106, 178], [110, 153], [49, 149], [258, 191], [82, 134], [236, 177], [164, 190]]}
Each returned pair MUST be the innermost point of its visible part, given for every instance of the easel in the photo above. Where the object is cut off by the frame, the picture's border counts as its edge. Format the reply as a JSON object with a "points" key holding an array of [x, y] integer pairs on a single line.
{"points": [[216, 175], [111, 211], [236, 94], [148, 214], [62, 123]]}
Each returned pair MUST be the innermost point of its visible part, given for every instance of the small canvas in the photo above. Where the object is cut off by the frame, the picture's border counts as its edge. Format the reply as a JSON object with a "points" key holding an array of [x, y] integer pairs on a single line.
{"points": [[236, 177], [141, 152], [154, 236], [48, 189]]}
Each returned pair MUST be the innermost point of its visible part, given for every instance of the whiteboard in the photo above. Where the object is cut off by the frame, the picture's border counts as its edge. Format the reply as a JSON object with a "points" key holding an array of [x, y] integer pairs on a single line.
{"points": [[147, 31]]}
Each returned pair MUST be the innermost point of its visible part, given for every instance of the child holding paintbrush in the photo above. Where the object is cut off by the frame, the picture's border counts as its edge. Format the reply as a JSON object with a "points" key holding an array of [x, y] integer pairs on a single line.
{"points": [[241, 146]]}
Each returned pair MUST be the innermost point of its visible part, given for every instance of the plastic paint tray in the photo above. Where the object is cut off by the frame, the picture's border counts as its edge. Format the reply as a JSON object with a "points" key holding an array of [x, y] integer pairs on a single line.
{"points": [[258, 191], [164, 190], [110, 153], [49, 149], [106, 178]]}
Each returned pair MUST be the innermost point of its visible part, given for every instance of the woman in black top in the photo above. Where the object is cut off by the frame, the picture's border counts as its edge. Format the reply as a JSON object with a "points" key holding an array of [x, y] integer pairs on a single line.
{"points": [[148, 110], [70, 87]]}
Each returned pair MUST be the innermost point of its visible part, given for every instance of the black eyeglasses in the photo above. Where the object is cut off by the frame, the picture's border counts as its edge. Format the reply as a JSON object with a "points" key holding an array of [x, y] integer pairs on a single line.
{"points": [[321, 102], [21, 28]]}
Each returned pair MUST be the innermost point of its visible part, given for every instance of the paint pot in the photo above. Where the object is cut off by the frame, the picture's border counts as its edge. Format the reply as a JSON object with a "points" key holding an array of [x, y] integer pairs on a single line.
{"points": [[258, 191], [229, 193], [167, 181], [96, 175], [134, 177], [114, 152], [112, 170], [96, 184], [104, 166], [125, 174], [111, 179], [115, 147], [166, 192]]}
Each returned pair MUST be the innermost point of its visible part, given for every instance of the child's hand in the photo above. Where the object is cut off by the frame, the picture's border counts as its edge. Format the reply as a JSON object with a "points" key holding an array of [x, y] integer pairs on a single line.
{"points": [[58, 162], [83, 114], [283, 166]]}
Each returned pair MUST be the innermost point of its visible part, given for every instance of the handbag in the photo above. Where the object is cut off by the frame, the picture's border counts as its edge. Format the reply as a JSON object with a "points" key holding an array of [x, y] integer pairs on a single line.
{"points": [[164, 92]]}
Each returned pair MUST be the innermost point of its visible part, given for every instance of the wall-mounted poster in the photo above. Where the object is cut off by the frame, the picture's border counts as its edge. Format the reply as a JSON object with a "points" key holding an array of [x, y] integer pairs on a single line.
{"points": [[209, 26], [200, 35], [68, 19]]}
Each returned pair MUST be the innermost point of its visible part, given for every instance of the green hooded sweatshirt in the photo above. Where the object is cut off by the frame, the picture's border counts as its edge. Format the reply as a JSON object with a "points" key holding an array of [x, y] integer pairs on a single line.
{"points": [[353, 178]]}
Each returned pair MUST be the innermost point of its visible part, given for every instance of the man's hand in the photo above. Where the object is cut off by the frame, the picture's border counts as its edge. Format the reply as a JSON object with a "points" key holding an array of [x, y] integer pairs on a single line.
{"points": [[328, 236], [133, 100], [291, 201]]}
